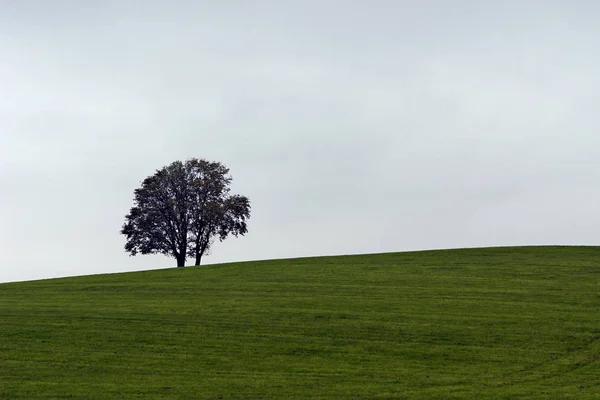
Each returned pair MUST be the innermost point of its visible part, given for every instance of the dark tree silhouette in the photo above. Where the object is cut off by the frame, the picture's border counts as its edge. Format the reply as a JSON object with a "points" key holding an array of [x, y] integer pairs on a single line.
{"points": [[181, 209]]}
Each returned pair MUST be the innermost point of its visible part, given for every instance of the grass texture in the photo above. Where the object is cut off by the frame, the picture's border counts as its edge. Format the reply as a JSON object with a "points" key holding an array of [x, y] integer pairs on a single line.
{"points": [[496, 323]]}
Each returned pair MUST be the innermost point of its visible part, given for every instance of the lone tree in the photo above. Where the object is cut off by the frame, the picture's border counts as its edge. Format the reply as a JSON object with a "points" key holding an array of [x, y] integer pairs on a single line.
{"points": [[182, 208]]}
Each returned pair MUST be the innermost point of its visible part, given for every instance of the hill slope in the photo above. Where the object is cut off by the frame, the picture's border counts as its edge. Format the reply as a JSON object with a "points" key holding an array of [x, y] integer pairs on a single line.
{"points": [[475, 323]]}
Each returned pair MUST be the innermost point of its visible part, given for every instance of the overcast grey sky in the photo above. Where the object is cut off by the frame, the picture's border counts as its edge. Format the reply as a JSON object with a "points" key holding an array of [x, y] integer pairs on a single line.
{"points": [[354, 127]]}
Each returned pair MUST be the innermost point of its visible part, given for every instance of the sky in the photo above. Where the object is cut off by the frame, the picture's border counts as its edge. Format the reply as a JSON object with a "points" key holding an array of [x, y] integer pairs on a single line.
{"points": [[353, 127]]}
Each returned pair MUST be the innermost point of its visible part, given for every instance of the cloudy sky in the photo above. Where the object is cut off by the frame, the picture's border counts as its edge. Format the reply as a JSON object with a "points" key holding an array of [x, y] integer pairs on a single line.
{"points": [[354, 127]]}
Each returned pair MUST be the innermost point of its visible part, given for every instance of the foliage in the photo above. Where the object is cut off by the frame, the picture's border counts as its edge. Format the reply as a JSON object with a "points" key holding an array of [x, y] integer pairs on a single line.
{"points": [[182, 208]]}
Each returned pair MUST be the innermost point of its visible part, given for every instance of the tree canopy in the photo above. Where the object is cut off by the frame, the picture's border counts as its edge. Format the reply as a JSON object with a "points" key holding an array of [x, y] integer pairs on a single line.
{"points": [[181, 209]]}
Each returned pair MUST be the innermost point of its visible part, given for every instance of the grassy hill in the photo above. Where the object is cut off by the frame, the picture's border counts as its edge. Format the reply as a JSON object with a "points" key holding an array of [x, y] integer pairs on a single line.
{"points": [[499, 323]]}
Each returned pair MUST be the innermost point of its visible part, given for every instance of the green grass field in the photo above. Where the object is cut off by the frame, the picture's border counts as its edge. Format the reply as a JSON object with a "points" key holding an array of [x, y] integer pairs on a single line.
{"points": [[500, 323]]}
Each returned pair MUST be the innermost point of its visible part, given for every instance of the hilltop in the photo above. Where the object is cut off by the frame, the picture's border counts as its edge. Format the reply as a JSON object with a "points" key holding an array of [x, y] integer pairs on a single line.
{"points": [[454, 324]]}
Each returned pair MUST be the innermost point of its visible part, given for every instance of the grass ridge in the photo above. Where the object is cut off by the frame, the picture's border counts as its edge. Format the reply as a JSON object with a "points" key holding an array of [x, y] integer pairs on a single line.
{"points": [[494, 323]]}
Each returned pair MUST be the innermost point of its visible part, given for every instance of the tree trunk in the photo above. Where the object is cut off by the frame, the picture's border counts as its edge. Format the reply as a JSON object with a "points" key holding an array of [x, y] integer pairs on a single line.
{"points": [[180, 261], [198, 258]]}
